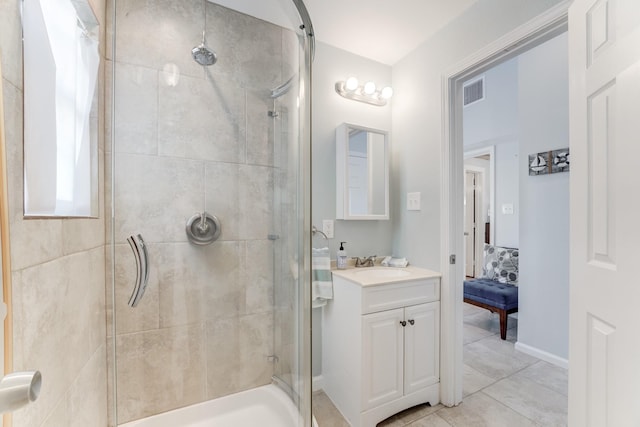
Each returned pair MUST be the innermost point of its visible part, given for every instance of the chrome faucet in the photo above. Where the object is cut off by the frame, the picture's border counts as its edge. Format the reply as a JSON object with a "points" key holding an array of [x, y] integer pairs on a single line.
{"points": [[365, 262]]}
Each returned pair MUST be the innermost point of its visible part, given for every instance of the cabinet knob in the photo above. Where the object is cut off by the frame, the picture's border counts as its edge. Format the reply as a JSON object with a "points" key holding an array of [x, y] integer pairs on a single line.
{"points": [[403, 323], [411, 322]]}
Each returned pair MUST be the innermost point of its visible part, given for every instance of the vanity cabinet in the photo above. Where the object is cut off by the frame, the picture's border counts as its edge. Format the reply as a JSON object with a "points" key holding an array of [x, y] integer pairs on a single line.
{"points": [[399, 349], [381, 346]]}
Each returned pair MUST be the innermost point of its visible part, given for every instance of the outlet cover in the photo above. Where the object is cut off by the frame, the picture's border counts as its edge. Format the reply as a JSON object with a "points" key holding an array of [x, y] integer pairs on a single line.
{"points": [[507, 209], [413, 201]]}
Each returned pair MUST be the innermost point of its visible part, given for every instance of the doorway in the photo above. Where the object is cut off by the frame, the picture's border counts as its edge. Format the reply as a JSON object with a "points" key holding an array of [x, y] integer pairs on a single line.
{"points": [[534, 33], [471, 220], [480, 165], [474, 220]]}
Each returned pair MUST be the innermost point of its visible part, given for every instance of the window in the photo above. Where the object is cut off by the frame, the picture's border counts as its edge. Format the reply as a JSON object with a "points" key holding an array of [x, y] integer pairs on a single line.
{"points": [[61, 62]]}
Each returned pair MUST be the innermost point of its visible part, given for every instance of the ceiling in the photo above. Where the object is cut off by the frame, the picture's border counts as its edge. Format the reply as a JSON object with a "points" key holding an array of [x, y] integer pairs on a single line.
{"points": [[382, 30]]}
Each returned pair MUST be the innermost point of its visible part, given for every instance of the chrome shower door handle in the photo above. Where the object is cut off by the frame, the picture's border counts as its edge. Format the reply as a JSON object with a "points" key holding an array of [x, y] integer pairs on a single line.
{"points": [[141, 255], [145, 259]]}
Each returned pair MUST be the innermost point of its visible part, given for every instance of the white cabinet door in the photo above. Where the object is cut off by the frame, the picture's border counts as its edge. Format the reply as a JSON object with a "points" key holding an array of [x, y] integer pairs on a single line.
{"points": [[382, 357], [421, 346]]}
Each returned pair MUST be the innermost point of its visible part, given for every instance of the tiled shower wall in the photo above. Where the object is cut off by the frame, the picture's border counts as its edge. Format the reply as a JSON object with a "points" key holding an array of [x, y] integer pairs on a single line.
{"points": [[57, 274], [188, 138]]}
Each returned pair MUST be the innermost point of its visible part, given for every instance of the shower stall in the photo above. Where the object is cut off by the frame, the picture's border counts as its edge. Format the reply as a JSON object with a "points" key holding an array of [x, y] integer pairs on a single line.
{"points": [[208, 191]]}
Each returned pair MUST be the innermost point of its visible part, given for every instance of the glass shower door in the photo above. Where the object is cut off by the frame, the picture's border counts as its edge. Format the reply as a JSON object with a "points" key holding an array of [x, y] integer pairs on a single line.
{"points": [[230, 140]]}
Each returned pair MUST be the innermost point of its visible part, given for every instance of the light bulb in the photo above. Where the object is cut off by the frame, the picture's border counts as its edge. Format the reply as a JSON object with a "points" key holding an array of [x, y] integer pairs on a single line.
{"points": [[369, 88], [351, 83], [386, 92]]}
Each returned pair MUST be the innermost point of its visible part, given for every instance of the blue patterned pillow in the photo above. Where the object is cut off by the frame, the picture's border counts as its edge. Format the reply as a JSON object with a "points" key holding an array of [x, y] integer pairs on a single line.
{"points": [[500, 264]]}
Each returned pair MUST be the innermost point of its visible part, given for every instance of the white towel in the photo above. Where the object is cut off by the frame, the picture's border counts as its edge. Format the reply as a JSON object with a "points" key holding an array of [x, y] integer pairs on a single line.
{"points": [[321, 285], [398, 262], [394, 262]]}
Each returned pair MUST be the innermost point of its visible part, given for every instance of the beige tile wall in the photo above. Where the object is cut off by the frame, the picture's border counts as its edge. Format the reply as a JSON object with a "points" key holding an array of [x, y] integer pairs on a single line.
{"points": [[189, 138], [58, 277], [211, 308]]}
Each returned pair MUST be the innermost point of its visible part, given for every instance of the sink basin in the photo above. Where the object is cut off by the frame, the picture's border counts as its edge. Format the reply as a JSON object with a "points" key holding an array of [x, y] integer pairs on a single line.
{"points": [[379, 275], [383, 272]]}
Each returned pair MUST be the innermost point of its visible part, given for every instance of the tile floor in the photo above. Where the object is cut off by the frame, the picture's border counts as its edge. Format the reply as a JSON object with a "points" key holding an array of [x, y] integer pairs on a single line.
{"points": [[502, 387]]}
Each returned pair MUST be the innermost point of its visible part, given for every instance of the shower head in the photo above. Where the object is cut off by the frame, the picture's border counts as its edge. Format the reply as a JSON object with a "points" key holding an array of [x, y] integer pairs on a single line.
{"points": [[203, 55]]}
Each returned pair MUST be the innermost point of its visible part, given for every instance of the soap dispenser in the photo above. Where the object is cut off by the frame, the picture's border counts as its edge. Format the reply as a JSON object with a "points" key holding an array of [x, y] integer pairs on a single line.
{"points": [[341, 260]]}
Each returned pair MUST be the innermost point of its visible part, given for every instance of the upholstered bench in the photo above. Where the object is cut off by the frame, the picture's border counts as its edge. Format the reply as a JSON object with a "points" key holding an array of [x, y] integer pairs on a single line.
{"points": [[497, 290], [494, 296]]}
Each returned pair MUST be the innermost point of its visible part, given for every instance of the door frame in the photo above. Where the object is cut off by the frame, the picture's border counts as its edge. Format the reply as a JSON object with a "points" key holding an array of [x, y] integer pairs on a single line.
{"points": [[544, 27], [6, 308]]}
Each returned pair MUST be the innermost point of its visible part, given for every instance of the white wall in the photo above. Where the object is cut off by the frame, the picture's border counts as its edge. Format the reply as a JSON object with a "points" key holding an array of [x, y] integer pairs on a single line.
{"points": [[494, 122], [536, 110], [507, 194], [416, 135], [417, 117], [329, 111], [544, 201], [495, 118]]}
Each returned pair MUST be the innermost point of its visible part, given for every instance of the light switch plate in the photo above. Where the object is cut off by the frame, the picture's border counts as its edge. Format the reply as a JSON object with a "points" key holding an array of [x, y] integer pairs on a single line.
{"points": [[327, 228], [413, 201]]}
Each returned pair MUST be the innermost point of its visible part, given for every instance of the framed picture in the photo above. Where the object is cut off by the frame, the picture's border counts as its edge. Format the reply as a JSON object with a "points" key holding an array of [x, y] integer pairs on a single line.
{"points": [[539, 164], [560, 160], [549, 162]]}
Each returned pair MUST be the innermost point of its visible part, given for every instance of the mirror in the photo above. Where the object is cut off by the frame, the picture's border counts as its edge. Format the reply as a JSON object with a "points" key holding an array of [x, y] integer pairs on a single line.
{"points": [[362, 173], [61, 62]]}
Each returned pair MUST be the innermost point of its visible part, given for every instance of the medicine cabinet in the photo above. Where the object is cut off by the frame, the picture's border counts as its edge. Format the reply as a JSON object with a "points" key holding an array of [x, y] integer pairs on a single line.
{"points": [[362, 173]]}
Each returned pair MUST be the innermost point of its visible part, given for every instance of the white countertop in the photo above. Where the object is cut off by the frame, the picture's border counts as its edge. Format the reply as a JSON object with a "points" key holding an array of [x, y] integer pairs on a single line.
{"points": [[378, 275]]}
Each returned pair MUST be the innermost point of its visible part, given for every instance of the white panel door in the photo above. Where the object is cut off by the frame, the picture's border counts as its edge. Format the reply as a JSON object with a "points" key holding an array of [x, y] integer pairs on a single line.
{"points": [[604, 64], [469, 223], [421, 346], [382, 357]]}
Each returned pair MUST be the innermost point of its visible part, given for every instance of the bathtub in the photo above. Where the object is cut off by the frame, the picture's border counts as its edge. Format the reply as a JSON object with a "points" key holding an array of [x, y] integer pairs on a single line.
{"points": [[266, 406]]}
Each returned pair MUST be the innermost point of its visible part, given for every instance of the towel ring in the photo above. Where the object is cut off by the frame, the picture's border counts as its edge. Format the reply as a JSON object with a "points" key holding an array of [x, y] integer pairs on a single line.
{"points": [[314, 230]]}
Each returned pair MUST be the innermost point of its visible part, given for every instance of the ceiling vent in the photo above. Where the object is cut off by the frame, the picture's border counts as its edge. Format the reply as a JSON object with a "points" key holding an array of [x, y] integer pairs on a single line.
{"points": [[473, 91]]}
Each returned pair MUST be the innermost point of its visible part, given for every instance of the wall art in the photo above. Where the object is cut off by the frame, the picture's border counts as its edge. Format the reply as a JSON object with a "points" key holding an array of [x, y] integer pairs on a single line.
{"points": [[548, 162]]}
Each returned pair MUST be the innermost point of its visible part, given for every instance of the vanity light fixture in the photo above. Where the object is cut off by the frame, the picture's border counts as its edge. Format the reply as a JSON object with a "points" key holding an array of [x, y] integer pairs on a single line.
{"points": [[369, 93]]}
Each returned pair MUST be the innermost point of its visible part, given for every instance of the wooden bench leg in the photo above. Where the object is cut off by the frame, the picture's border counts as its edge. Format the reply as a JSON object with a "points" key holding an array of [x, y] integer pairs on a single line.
{"points": [[502, 313], [503, 324]]}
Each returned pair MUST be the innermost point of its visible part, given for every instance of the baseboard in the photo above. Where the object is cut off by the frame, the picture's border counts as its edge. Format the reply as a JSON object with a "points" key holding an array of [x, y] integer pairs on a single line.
{"points": [[317, 383], [542, 355]]}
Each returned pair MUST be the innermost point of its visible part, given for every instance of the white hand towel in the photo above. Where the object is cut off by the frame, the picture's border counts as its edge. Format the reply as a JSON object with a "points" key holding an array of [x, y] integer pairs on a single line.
{"points": [[398, 262], [321, 285]]}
